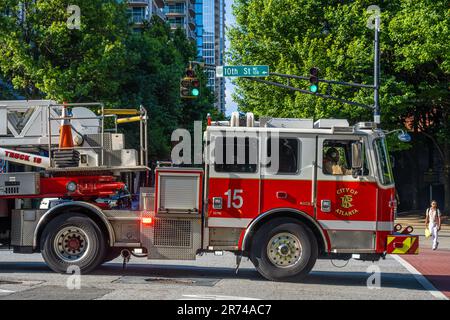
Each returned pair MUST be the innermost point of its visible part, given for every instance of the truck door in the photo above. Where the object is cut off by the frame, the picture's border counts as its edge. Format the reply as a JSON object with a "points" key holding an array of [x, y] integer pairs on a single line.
{"points": [[290, 184], [233, 182], [346, 204]]}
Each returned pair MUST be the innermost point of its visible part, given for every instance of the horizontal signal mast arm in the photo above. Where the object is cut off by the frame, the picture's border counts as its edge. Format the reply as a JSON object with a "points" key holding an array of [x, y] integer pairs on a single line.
{"points": [[350, 84], [325, 96]]}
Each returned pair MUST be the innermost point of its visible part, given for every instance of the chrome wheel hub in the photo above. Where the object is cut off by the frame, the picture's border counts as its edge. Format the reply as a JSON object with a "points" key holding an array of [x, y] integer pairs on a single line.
{"points": [[71, 244], [284, 250]]}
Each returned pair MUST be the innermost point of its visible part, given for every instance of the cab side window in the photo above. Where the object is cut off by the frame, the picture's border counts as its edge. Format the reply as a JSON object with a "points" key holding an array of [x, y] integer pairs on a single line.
{"points": [[337, 157], [287, 155], [238, 155]]}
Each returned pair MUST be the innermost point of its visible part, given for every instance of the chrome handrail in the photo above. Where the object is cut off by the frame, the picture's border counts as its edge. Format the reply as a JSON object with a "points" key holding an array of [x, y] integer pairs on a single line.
{"points": [[143, 129]]}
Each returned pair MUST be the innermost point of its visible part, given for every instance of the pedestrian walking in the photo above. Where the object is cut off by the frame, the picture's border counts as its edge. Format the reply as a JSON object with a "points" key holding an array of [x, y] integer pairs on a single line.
{"points": [[433, 222]]}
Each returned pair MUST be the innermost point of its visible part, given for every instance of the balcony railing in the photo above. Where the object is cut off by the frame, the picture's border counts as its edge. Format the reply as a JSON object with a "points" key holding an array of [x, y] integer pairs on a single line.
{"points": [[138, 19], [179, 11], [139, 2], [158, 12], [191, 34], [176, 25]]}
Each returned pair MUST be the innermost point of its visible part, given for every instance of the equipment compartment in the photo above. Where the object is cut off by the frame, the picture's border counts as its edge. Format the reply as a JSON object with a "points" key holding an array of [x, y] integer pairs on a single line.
{"points": [[178, 190]]}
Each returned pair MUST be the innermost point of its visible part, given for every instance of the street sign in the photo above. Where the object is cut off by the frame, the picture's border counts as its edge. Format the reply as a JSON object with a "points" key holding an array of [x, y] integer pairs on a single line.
{"points": [[242, 71]]}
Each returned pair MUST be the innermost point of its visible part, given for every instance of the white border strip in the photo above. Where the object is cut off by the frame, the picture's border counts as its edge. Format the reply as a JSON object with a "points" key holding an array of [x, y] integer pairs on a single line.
{"points": [[421, 279]]}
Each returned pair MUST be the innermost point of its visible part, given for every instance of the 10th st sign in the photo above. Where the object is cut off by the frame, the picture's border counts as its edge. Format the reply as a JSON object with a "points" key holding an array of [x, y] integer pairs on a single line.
{"points": [[242, 71]]}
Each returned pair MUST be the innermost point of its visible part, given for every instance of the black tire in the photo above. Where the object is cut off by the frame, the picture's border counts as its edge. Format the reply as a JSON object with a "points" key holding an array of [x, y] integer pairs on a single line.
{"points": [[298, 265], [92, 243], [111, 254]]}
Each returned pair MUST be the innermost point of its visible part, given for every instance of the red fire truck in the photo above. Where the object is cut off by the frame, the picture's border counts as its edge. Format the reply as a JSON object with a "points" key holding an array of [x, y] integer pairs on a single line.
{"points": [[324, 190]]}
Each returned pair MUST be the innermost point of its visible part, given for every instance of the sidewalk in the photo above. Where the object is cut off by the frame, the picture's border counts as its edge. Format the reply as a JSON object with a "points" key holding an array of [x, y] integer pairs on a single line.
{"points": [[435, 266], [417, 220]]}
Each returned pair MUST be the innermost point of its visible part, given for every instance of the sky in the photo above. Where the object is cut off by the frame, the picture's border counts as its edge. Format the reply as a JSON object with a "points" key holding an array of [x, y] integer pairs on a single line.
{"points": [[230, 105]]}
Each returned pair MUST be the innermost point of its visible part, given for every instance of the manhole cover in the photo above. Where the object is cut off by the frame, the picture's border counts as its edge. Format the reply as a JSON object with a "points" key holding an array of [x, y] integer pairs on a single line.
{"points": [[57, 293], [163, 280]]}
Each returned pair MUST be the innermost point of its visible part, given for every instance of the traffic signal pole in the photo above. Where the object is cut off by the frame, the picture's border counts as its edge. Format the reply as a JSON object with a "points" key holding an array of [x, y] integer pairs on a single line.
{"points": [[376, 74]]}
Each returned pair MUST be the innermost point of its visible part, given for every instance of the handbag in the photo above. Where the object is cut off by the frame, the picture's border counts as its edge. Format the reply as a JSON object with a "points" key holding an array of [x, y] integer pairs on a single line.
{"points": [[427, 232]]}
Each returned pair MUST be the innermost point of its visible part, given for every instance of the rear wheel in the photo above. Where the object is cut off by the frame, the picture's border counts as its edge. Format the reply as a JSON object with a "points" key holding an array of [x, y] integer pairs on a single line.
{"points": [[284, 249], [73, 239]]}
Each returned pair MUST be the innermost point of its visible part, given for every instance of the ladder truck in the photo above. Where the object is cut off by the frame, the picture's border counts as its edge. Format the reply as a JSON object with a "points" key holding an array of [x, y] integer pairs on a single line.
{"points": [[77, 195]]}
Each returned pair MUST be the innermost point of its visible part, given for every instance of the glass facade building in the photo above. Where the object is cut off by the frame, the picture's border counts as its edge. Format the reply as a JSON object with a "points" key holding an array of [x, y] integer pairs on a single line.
{"points": [[210, 31], [203, 21], [143, 10], [181, 14]]}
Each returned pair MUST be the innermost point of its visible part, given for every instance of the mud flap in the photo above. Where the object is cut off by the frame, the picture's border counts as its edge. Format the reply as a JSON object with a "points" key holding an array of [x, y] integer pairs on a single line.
{"points": [[402, 244]]}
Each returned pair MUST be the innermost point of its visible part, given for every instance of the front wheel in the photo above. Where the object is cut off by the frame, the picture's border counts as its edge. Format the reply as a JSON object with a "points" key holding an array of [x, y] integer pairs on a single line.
{"points": [[73, 239], [284, 249]]}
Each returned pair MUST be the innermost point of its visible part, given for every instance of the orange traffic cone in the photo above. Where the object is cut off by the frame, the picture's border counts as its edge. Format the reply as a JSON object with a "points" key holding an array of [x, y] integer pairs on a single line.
{"points": [[65, 131]]}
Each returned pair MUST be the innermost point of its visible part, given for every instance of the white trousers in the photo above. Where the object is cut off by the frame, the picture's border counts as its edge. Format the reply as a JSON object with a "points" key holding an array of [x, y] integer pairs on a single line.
{"points": [[434, 233]]}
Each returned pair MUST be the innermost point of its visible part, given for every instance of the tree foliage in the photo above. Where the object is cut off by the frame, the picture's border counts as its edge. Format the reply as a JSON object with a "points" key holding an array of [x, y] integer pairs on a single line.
{"points": [[294, 35], [105, 60]]}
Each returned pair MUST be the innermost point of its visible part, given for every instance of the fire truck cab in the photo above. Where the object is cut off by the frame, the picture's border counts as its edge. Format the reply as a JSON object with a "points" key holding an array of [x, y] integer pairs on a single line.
{"points": [[331, 194], [283, 192]]}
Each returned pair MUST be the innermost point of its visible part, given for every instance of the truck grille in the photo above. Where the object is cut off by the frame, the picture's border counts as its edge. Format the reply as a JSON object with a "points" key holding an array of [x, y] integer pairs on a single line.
{"points": [[173, 233]]}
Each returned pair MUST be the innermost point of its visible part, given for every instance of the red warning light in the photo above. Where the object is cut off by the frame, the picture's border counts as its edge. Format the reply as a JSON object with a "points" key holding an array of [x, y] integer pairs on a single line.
{"points": [[147, 220]]}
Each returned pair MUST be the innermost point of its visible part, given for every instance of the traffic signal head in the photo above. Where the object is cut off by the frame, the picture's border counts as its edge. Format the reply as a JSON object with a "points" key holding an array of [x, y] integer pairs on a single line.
{"points": [[314, 79], [195, 87], [184, 87], [189, 85]]}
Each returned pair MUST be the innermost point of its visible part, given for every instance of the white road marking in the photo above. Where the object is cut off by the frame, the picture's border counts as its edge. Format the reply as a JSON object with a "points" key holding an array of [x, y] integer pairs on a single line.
{"points": [[6, 291], [213, 297], [421, 279]]}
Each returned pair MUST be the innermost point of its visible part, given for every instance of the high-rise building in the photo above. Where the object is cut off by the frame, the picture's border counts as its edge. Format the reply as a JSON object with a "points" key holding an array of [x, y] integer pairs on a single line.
{"points": [[181, 14], [210, 29], [144, 10]]}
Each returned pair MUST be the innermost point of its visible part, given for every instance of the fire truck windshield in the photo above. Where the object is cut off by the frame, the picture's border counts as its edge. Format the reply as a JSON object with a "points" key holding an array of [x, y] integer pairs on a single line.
{"points": [[383, 162]]}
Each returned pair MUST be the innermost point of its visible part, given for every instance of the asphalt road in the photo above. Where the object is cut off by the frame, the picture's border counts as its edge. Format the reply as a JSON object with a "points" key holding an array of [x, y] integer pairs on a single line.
{"points": [[209, 277]]}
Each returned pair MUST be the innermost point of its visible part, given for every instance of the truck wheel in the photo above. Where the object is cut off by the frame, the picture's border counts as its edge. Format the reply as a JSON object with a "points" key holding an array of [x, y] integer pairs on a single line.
{"points": [[284, 249], [72, 239]]}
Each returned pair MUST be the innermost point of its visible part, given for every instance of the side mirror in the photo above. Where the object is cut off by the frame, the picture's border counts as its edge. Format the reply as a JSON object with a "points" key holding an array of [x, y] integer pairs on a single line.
{"points": [[357, 156], [404, 137]]}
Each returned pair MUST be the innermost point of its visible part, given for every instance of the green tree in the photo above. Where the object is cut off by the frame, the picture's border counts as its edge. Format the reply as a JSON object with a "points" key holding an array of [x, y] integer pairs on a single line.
{"points": [[39, 53], [158, 58], [105, 60], [293, 35]]}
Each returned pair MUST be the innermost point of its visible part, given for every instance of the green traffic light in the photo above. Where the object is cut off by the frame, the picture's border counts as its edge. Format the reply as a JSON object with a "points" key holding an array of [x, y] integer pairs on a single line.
{"points": [[195, 92], [313, 88]]}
